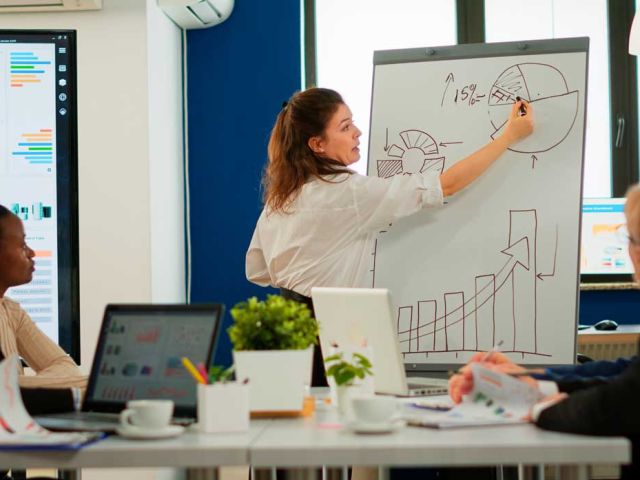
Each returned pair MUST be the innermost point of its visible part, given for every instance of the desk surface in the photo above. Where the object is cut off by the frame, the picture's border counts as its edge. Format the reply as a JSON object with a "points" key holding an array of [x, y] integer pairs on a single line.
{"points": [[622, 329], [303, 443], [188, 450]]}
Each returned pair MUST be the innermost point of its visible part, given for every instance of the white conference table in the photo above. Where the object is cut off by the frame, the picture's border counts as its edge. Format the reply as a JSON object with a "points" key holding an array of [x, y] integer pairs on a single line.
{"points": [[189, 450], [300, 443], [306, 443]]}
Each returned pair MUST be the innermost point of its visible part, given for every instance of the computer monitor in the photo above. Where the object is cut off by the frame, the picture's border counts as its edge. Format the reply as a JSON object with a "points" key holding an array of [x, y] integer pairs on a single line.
{"points": [[604, 255], [38, 171]]}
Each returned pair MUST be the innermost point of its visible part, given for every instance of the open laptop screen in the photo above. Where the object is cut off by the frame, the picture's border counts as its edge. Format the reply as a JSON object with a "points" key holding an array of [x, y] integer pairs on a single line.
{"points": [[139, 353]]}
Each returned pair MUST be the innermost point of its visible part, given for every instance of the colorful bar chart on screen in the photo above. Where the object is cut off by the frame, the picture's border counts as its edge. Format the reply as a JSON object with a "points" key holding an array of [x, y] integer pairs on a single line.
{"points": [[34, 211], [33, 149], [27, 68]]}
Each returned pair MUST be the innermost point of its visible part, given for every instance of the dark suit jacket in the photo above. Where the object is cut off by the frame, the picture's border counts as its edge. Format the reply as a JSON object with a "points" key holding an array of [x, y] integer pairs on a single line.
{"points": [[609, 409]]}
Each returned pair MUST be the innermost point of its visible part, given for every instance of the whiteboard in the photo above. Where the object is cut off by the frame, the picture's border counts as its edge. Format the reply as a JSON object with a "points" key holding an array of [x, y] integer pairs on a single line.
{"points": [[498, 264]]}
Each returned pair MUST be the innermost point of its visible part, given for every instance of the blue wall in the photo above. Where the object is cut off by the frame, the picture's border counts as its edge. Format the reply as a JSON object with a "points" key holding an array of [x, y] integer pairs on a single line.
{"points": [[623, 306], [239, 73]]}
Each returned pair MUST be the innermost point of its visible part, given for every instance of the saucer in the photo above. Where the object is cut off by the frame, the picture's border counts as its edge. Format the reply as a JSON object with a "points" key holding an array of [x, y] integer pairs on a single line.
{"points": [[146, 434], [372, 428]]}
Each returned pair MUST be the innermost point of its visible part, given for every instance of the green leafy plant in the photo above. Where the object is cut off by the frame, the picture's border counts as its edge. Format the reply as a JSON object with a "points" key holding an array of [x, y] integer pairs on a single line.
{"points": [[273, 324], [218, 373], [345, 372]]}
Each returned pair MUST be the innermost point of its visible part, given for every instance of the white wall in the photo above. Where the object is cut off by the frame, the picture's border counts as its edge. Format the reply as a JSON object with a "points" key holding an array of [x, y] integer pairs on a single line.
{"points": [[130, 163], [130, 156], [164, 47]]}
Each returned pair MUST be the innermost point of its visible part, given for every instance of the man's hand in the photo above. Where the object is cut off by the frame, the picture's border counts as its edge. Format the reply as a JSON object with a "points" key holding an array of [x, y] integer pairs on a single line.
{"points": [[462, 382]]}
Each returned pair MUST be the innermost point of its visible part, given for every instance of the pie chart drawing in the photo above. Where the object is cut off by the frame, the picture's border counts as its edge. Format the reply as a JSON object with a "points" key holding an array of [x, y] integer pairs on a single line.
{"points": [[545, 88], [418, 153]]}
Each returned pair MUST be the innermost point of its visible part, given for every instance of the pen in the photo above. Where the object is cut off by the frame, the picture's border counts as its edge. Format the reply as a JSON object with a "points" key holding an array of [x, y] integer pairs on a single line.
{"points": [[521, 110], [438, 407], [485, 358], [493, 350], [193, 370], [527, 373]]}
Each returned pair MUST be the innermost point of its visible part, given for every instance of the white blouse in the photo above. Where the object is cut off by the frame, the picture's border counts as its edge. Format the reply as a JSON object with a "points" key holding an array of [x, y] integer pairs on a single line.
{"points": [[327, 238]]}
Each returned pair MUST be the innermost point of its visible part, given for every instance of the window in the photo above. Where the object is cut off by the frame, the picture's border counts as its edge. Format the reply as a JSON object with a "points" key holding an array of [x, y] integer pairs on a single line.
{"points": [[562, 19], [347, 34]]}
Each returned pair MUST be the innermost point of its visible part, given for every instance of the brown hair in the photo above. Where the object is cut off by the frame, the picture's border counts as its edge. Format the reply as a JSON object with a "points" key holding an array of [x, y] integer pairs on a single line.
{"points": [[4, 212], [291, 162]]}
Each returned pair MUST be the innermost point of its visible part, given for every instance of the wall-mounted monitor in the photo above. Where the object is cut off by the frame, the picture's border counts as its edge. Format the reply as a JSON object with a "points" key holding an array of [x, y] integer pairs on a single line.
{"points": [[604, 255], [38, 171]]}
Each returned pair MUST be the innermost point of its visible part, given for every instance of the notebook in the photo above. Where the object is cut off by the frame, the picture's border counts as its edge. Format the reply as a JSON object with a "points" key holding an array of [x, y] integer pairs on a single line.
{"points": [[496, 399], [138, 356], [356, 316]]}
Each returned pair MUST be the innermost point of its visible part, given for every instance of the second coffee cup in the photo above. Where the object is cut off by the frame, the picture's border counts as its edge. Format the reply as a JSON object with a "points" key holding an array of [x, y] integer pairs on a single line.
{"points": [[147, 414], [375, 409]]}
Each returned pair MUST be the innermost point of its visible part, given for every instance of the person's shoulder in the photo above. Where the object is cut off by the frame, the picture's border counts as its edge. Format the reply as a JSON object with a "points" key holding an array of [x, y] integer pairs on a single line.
{"points": [[15, 313], [324, 182], [11, 305]]}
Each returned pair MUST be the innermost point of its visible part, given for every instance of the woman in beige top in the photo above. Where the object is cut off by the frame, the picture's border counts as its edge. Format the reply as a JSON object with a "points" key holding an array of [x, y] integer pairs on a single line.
{"points": [[18, 333]]}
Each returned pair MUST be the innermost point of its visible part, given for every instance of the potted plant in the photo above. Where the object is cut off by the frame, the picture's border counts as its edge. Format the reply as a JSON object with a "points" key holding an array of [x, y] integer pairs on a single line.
{"points": [[348, 376], [273, 347], [223, 405]]}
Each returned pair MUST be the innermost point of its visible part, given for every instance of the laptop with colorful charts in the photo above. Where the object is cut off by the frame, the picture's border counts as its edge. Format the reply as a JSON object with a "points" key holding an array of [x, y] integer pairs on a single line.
{"points": [[139, 356]]}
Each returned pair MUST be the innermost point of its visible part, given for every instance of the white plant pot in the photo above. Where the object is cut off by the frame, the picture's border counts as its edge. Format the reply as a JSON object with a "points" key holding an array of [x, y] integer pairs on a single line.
{"points": [[223, 407], [277, 378]]}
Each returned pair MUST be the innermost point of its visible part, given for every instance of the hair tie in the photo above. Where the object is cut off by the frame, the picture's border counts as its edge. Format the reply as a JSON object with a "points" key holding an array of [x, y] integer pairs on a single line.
{"points": [[284, 104]]}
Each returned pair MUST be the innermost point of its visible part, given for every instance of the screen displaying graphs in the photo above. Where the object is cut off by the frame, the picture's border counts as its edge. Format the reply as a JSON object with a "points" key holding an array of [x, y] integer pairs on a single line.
{"points": [[604, 242], [38, 170]]}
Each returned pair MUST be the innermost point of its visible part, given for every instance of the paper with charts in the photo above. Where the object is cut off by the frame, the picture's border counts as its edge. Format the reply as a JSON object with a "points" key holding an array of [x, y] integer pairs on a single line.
{"points": [[496, 399], [499, 261], [18, 430]]}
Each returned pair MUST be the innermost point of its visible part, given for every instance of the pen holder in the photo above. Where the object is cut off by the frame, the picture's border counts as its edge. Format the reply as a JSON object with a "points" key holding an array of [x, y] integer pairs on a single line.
{"points": [[223, 407]]}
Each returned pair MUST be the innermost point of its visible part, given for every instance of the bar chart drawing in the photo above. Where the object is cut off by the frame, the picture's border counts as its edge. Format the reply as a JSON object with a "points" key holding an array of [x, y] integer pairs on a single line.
{"points": [[502, 307]]}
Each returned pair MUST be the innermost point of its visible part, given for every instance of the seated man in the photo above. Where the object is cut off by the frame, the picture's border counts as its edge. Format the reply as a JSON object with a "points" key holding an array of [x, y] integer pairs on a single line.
{"points": [[597, 398], [19, 334]]}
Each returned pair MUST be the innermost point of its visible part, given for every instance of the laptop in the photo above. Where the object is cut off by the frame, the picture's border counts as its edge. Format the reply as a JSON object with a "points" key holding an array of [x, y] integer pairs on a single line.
{"points": [[138, 356], [357, 316]]}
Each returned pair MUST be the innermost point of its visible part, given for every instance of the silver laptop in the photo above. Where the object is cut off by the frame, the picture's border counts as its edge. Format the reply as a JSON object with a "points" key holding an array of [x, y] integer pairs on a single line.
{"points": [[357, 316], [138, 356]]}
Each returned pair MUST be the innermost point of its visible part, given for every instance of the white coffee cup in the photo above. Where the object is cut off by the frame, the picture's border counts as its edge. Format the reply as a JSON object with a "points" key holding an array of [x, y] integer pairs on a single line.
{"points": [[147, 414], [375, 409]]}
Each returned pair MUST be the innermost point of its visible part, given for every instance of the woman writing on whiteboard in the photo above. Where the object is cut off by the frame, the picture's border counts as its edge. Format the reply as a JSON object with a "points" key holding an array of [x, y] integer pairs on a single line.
{"points": [[320, 218]]}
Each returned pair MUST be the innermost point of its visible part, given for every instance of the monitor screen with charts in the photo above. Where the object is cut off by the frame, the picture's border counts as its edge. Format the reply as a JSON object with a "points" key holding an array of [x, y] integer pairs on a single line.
{"points": [[139, 354], [38, 172], [604, 255]]}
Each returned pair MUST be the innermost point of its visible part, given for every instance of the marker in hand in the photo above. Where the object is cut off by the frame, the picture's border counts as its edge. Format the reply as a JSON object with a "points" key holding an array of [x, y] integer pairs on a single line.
{"points": [[522, 110]]}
